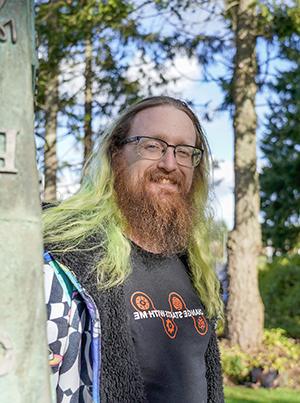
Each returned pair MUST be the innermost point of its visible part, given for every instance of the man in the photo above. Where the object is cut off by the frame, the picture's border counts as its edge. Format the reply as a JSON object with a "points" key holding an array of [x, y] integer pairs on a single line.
{"points": [[132, 298]]}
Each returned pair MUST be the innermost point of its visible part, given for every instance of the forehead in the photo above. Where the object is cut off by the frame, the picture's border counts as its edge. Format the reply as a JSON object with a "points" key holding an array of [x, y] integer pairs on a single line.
{"points": [[166, 122]]}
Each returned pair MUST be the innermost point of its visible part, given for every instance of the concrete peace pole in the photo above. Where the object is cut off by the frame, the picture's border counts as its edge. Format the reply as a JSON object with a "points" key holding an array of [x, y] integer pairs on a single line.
{"points": [[24, 374]]}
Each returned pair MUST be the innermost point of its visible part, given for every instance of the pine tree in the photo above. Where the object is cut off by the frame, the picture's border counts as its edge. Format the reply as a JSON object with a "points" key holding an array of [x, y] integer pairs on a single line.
{"points": [[280, 177], [244, 308], [104, 37]]}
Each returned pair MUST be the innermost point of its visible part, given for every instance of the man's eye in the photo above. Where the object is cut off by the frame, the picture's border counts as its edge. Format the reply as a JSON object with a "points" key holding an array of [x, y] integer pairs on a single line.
{"points": [[152, 146], [183, 153]]}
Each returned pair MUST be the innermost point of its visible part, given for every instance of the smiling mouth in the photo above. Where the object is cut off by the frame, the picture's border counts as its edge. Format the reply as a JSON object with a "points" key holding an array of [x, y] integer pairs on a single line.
{"points": [[166, 181], [167, 184]]}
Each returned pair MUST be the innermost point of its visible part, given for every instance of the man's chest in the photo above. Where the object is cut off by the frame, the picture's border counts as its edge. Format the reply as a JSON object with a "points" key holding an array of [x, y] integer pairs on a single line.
{"points": [[169, 330]]}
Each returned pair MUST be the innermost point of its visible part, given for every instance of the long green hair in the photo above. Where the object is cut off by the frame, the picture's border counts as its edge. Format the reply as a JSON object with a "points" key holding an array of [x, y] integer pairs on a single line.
{"points": [[93, 211]]}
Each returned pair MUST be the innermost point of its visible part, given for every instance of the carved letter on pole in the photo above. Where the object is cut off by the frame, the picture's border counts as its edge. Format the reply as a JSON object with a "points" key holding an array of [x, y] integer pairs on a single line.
{"points": [[11, 24], [8, 151]]}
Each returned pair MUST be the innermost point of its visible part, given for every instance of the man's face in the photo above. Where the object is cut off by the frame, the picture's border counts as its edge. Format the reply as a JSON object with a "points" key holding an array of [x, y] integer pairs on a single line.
{"points": [[164, 176], [154, 194]]}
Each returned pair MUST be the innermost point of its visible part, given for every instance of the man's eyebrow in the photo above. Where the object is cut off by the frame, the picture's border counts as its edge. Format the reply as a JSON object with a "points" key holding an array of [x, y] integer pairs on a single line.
{"points": [[164, 138], [156, 136]]}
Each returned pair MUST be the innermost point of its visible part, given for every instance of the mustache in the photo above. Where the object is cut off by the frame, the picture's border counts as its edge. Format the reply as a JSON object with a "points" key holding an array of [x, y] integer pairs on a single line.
{"points": [[157, 176]]}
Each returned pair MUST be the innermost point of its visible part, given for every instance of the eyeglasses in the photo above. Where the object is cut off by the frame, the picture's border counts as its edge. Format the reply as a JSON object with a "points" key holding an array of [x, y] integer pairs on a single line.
{"points": [[154, 149]]}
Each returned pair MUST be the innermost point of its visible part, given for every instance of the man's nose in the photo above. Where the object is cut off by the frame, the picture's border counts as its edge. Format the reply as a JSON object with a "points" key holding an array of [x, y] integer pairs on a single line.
{"points": [[168, 160]]}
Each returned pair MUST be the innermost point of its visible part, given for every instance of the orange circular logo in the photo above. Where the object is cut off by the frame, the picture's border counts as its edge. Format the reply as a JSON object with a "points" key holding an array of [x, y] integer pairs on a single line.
{"points": [[202, 326], [177, 303], [142, 302], [170, 326]]}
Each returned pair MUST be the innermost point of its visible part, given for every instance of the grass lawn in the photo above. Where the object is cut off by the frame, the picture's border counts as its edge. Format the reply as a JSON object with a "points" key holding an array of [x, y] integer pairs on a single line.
{"points": [[240, 394]]}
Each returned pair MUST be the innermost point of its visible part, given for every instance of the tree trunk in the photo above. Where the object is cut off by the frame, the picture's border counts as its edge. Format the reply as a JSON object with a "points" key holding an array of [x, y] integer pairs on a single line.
{"points": [[50, 150], [88, 100], [245, 308]]}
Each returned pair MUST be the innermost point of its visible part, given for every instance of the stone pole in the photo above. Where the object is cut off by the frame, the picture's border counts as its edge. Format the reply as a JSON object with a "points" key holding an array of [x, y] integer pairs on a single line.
{"points": [[24, 374]]}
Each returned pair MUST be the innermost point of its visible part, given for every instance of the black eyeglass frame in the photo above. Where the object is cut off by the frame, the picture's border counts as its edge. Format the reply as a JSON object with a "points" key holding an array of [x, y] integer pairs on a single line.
{"points": [[196, 150]]}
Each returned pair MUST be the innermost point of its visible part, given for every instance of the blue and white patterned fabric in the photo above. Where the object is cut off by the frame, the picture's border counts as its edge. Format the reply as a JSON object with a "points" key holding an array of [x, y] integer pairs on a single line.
{"points": [[73, 329]]}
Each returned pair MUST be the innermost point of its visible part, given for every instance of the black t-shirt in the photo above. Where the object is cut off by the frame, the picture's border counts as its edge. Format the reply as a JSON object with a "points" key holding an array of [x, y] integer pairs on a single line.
{"points": [[169, 330]]}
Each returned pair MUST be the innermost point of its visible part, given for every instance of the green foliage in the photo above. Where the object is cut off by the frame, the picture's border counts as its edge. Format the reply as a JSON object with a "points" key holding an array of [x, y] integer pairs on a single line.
{"points": [[240, 394], [277, 352], [280, 19], [280, 290], [234, 364], [127, 37], [280, 179]]}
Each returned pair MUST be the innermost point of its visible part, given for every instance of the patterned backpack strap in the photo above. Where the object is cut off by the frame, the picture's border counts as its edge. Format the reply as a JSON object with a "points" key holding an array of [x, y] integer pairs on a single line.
{"points": [[60, 271], [66, 323]]}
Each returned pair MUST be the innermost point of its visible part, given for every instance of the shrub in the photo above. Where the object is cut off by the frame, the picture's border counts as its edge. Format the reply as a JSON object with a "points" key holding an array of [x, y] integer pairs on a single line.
{"points": [[279, 283], [277, 352]]}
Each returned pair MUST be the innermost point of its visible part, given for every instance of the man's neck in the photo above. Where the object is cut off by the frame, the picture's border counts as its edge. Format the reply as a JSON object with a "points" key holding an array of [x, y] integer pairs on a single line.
{"points": [[143, 245]]}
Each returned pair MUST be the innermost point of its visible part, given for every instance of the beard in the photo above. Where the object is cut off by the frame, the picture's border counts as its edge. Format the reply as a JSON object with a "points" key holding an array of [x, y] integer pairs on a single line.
{"points": [[159, 222]]}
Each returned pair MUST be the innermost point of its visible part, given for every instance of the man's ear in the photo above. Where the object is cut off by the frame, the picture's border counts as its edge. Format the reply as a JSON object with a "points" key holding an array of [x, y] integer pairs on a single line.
{"points": [[115, 155]]}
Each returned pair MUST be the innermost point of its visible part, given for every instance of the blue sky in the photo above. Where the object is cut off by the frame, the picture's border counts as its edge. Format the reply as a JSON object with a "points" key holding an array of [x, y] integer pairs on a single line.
{"points": [[219, 133]]}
